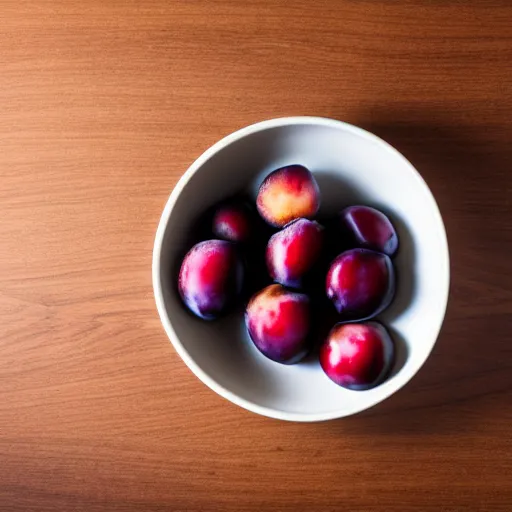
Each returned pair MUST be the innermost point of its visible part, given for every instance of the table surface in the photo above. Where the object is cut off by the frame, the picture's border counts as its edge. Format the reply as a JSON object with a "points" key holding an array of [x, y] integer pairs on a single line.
{"points": [[103, 107]]}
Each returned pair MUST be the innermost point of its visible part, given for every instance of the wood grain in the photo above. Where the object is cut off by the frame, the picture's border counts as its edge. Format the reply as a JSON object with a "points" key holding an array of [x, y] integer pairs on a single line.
{"points": [[103, 105]]}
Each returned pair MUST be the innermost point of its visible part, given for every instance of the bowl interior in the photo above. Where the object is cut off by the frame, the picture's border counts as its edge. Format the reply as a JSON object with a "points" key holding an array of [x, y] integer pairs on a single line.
{"points": [[351, 166]]}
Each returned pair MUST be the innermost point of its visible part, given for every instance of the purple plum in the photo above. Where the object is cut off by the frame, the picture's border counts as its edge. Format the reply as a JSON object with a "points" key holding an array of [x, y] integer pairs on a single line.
{"points": [[369, 228], [287, 194], [360, 283], [210, 278], [293, 251], [357, 356], [278, 322]]}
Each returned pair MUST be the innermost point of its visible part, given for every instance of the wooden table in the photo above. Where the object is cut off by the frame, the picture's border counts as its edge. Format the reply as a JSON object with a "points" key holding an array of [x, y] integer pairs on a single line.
{"points": [[103, 105]]}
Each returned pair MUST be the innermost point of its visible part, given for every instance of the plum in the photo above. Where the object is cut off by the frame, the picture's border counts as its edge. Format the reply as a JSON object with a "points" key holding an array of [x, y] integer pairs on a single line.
{"points": [[278, 322], [360, 283], [287, 194], [211, 278], [357, 356], [232, 221], [369, 228], [293, 251]]}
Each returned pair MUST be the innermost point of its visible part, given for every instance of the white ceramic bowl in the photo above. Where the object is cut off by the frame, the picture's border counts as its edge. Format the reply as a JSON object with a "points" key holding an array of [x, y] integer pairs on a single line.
{"points": [[351, 166]]}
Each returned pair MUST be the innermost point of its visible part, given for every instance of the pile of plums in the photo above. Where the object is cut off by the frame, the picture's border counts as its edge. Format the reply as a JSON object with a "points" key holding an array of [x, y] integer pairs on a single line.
{"points": [[350, 255]]}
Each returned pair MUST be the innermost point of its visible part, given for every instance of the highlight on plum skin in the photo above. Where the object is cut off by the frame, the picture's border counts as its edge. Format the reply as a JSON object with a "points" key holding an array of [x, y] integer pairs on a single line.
{"points": [[360, 283], [358, 356], [232, 220], [211, 278], [369, 228], [279, 324], [287, 194], [292, 252]]}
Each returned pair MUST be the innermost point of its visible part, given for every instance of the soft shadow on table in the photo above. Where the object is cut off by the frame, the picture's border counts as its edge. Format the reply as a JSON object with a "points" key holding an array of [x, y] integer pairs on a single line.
{"points": [[468, 377]]}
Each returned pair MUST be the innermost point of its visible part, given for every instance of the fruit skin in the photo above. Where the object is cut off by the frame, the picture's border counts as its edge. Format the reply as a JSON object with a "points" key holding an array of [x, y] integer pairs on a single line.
{"points": [[287, 194], [279, 323], [211, 278], [233, 221], [369, 228], [292, 252], [360, 283], [357, 356]]}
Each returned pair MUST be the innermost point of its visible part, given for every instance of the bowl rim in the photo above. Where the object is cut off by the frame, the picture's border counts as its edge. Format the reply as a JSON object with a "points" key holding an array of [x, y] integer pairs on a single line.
{"points": [[157, 250]]}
